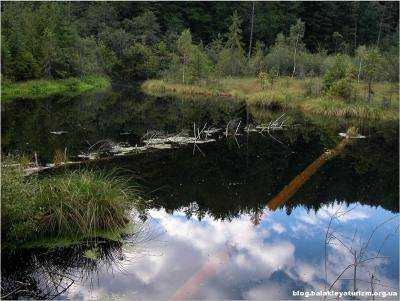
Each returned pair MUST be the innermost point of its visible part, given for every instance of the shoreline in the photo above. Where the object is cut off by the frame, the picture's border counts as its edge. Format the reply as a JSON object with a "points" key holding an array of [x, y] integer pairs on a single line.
{"points": [[44, 88], [284, 95]]}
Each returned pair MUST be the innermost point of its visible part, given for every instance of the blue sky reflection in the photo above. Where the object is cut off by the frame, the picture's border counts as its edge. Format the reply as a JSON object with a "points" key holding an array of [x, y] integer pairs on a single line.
{"points": [[281, 254]]}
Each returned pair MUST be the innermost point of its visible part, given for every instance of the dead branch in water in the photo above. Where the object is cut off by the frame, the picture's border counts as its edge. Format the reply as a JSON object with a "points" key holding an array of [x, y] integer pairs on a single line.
{"points": [[359, 256], [274, 125], [232, 126]]}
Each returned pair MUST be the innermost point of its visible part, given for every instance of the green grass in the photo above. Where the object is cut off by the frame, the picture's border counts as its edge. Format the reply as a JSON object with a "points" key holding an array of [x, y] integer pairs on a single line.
{"points": [[45, 88], [287, 93], [78, 203]]}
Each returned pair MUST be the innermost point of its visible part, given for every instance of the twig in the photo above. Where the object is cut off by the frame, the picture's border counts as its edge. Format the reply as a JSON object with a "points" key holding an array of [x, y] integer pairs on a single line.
{"points": [[237, 128], [363, 249]]}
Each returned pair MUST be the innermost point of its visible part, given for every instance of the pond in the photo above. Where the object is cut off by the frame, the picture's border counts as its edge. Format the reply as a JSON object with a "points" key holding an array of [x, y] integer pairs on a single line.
{"points": [[213, 229]]}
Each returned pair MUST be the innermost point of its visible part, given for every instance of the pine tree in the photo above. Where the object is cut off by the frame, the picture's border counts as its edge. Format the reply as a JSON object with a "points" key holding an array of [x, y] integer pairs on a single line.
{"points": [[184, 46], [372, 61], [234, 47]]}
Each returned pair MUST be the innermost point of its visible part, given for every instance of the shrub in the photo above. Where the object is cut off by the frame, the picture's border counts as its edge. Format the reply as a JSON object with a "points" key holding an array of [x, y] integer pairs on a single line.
{"points": [[313, 63], [342, 88], [337, 80], [256, 64], [337, 70]]}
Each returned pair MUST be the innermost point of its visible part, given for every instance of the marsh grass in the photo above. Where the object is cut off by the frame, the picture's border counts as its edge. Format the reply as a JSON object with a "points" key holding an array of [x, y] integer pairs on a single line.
{"points": [[75, 203], [339, 108], [161, 88], [45, 88], [287, 93]]}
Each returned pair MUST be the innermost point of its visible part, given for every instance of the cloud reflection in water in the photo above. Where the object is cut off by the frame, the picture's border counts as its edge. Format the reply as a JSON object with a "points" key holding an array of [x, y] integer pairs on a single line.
{"points": [[281, 254]]}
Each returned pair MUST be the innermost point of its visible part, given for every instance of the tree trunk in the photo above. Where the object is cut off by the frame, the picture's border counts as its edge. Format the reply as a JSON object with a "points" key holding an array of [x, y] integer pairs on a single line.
{"points": [[380, 28], [359, 72], [251, 32], [294, 56]]}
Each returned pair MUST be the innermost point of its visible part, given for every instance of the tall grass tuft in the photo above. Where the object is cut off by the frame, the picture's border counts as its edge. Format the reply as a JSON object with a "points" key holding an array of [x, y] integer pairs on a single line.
{"points": [[74, 203], [339, 108]]}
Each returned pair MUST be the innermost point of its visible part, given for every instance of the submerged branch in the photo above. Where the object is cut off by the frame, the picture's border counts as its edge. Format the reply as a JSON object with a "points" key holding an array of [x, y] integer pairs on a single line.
{"points": [[289, 190]]}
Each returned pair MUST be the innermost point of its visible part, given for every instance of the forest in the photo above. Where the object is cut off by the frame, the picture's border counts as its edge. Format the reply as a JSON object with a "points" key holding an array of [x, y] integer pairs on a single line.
{"points": [[140, 40]]}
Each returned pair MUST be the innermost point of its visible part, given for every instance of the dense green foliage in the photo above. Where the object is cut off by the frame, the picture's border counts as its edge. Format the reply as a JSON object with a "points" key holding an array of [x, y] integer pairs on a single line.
{"points": [[190, 40], [43, 41], [73, 203]]}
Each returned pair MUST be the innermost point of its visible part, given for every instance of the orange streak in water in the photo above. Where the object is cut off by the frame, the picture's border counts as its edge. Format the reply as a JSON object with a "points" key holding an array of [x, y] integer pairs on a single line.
{"points": [[289, 190], [209, 269]]}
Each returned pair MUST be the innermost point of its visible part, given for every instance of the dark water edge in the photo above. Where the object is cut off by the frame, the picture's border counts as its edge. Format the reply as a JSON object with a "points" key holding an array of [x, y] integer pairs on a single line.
{"points": [[212, 201]]}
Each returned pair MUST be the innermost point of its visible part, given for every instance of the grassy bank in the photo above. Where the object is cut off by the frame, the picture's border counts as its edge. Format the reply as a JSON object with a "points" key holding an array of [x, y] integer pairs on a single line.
{"points": [[288, 93], [73, 204], [45, 88]]}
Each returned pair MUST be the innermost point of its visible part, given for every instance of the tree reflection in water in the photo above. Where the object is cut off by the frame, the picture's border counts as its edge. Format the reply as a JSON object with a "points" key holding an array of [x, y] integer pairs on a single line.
{"points": [[43, 273]]}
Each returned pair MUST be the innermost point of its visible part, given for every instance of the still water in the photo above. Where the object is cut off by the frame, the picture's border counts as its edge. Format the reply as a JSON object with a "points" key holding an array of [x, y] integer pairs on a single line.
{"points": [[210, 231]]}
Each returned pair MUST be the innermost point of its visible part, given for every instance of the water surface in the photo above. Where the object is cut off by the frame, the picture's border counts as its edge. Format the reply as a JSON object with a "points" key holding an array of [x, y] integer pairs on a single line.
{"points": [[209, 232]]}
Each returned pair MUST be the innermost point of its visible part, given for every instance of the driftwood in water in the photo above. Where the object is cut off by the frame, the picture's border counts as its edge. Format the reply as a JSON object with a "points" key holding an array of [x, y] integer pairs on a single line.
{"points": [[278, 124], [289, 190], [108, 149], [104, 150]]}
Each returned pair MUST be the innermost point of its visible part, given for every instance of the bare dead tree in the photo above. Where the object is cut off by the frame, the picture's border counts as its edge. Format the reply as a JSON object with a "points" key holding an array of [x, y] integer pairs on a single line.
{"points": [[251, 31]]}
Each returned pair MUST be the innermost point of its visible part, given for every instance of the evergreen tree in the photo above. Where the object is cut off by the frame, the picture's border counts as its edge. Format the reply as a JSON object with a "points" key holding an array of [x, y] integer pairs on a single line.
{"points": [[191, 63], [232, 57], [372, 62], [257, 60], [184, 46], [144, 28]]}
